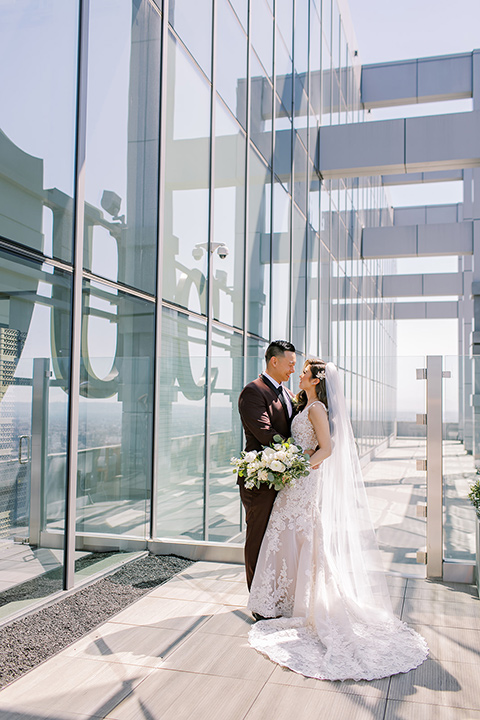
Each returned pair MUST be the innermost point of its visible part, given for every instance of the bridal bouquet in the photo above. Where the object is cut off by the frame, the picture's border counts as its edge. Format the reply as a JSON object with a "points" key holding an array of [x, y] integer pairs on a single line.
{"points": [[278, 466]]}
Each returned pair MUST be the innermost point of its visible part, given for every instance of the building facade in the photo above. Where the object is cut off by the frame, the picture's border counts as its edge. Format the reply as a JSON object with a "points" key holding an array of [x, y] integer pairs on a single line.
{"points": [[162, 218]]}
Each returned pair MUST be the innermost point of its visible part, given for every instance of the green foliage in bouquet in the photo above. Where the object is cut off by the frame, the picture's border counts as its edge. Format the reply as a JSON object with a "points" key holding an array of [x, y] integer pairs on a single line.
{"points": [[474, 496], [278, 465]]}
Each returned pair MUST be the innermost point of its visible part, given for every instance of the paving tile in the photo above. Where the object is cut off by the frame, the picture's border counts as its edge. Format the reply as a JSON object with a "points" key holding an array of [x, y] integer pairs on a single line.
{"points": [[222, 592], [63, 683], [443, 593], [237, 622], [451, 644], [402, 710], [446, 614], [447, 683], [46, 715], [304, 703], [369, 688], [220, 571], [170, 695], [134, 645], [166, 612], [222, 655]]}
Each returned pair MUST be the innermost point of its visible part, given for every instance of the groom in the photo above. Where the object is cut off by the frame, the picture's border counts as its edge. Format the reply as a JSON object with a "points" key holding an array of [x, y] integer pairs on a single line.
{"points": [[266, 410]]}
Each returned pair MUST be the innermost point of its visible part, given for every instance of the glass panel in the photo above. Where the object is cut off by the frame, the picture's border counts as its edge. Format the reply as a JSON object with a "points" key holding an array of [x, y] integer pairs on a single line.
{"points": [[300, 170], [325, 259], [313, 250], [300, 62], [459, 471], [261, 108], [34, 383], [284, 76], [241, 8], [282, 203], [181, 413], [327, 19], [259, 246], [187, 177], [231, 59], [225, 435], [192, 21], [299, 257], [284, 20], [115, 416], [227, 261], [38, 45], [315, 63], [283, 145], [261, 29], [121, 185], [326, 83], [255, 358]]}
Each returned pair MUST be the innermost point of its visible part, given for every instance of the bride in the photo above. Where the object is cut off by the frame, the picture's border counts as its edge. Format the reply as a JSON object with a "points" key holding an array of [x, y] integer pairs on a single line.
{"points": [[318, 581]]}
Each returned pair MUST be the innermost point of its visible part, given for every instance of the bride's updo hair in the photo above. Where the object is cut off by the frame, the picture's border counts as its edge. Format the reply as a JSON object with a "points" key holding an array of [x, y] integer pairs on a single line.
{"points": [[318, 371]]}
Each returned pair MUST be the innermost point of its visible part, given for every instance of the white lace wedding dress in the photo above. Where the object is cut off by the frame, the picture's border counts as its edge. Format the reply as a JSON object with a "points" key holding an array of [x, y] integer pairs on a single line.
{"points": [[329, 623]]}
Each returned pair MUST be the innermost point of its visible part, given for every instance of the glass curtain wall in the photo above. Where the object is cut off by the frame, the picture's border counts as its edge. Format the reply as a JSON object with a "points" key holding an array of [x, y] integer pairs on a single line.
{"points": [[207, 232]]}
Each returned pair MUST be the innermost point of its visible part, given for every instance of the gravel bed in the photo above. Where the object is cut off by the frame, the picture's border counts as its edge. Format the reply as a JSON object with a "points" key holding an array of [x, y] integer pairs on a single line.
{"points": [[29, 641]]}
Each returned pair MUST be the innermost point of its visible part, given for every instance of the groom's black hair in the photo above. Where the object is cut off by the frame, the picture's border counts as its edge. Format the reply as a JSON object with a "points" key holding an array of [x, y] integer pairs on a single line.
{"points": [[278, 347]]}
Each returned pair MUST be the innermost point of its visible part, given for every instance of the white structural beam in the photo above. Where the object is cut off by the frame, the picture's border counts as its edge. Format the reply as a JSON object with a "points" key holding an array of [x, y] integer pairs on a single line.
{"points": [[430, 143], [428, 214], [434, 310], [422, 285], [418, 240], [442, 310], [423, 177], [447, 77]]}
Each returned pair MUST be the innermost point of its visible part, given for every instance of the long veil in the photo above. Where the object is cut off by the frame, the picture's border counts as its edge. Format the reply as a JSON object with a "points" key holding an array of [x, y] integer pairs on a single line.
{"points": [[353, 560]]}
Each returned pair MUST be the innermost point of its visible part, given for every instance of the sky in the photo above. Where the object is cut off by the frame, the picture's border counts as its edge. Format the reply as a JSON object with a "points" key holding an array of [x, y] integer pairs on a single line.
{"points": [[389, 30]]}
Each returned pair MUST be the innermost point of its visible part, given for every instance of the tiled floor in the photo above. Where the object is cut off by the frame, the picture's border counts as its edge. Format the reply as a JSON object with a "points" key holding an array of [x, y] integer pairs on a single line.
{"points": [[181, 652]]}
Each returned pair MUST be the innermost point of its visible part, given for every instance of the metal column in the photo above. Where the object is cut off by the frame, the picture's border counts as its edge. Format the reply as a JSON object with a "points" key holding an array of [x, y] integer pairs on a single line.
{"points": [[41, 380]]}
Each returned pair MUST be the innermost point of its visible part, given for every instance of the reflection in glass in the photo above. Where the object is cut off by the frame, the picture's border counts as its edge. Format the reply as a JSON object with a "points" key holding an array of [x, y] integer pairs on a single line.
{"points": [[115, 415], [284, 74], [34, 383], [299, 266], [121, 186], [187, 178], [38, 45], [192, 21], [227, 260], [282, 204], [181, 423], [231, 59], [313, 250], [226, 435], [261, 31], [283, 145], [258, 246], [261, 108]]}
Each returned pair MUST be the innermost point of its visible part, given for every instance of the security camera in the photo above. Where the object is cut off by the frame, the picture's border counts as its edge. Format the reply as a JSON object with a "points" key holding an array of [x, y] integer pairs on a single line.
{"points": [[111, 202], [222, 252], [197, 253]]}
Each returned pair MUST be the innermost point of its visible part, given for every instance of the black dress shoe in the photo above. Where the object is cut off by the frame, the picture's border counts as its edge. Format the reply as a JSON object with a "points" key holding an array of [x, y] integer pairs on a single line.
{"points": [[257, 617]]}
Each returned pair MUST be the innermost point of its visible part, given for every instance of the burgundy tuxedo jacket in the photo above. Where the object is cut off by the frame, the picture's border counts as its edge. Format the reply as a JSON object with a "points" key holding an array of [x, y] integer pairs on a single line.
{"points": [[262, 414]]}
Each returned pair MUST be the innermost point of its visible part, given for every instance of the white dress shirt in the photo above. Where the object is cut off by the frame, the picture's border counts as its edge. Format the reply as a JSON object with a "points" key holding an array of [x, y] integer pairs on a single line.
{"points": [[284, 392]]}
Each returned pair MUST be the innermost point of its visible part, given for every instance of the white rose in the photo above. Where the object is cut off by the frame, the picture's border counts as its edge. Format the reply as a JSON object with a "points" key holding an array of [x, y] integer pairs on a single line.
{"points": [[250, 456], [263, 476], [281, 455], [277, 466], [268, 453], [293, 449]]}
